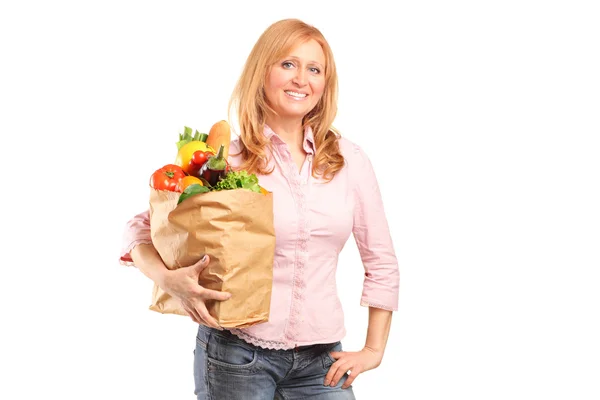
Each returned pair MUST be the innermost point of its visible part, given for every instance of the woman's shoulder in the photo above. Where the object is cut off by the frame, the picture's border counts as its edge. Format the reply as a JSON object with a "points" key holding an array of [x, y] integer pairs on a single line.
{"points": [[351, 151], [234, 157]]}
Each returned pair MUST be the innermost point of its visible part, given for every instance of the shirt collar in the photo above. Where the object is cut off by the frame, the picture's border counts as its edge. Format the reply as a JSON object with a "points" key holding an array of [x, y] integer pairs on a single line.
{"points": [[308, 144]]}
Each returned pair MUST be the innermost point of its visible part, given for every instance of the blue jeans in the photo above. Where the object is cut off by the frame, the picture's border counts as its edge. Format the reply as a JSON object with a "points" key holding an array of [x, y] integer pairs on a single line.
{"points": [[228, 368]]}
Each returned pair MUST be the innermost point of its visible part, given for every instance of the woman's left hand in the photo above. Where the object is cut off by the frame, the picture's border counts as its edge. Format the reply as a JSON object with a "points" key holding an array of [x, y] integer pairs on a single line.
{"points": [[355, 361]]}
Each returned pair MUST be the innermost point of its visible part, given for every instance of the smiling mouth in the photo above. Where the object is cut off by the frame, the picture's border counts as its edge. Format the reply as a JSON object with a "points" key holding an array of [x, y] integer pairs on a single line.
{"points": [[295, 95]]}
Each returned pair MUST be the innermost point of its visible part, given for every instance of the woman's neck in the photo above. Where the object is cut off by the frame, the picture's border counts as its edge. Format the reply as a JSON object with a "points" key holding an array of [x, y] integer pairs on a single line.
{"points": [[290, 131]]}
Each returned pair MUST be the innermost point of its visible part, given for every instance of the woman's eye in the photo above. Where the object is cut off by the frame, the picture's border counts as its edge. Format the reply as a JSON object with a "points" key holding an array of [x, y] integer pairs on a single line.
{"points": [[315, 70], [287, 65]]}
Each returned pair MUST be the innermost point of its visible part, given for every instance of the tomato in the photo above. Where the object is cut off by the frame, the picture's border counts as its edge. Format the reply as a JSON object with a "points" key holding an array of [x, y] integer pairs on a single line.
{"points": [[186, 152], [167, 177], [199, 157], [187, 181]]}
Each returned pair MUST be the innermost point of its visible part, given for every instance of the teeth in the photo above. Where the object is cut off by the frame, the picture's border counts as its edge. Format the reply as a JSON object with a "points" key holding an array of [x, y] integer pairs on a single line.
{"points": [[295, 94]]}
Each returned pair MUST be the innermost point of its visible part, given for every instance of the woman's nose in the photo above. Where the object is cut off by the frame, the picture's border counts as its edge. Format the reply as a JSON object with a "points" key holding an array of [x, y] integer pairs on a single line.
{"points": [[301, 78]]}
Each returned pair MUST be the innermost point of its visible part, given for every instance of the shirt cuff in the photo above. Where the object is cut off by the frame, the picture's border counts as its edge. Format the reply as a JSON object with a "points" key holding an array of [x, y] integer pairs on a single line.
{"points": [[367, 303]]}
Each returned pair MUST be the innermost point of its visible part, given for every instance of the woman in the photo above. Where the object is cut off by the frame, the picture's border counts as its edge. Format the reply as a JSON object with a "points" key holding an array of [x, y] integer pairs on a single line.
{"points": [[324, 188]]}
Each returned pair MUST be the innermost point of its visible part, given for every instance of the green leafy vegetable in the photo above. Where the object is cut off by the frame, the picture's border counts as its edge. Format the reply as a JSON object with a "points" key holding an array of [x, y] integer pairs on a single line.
{"points": [[192, 190], [187, 137], [238, 180]]}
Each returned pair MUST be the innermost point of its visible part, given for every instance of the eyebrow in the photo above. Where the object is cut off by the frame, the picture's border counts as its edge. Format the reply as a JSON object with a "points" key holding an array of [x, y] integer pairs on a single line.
{"points": [[310, 62]]}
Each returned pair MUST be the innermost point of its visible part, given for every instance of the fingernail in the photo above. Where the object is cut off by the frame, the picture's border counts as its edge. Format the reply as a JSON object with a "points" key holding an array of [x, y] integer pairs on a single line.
{"points": [[326, 383], [204, 258]]}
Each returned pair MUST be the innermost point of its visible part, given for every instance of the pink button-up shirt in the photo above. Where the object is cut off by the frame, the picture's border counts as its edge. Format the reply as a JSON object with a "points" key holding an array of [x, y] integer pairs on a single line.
{"points": [[313, 220]]}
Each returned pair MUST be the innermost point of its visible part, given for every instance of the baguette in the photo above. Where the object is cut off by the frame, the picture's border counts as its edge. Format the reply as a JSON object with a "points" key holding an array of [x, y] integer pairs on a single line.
{"points": [[220, 134]]}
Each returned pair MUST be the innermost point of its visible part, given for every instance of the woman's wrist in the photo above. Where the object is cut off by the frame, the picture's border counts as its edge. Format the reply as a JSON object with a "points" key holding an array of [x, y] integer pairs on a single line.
{"points": [[378, 330], [377, 351]]}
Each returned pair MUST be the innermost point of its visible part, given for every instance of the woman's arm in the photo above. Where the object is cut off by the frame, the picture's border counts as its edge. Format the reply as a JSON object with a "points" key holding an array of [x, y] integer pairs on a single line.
{"points": [[369, 357], [382, 275], [373, 237], [146, 259], [378, 330], [181, 283]]}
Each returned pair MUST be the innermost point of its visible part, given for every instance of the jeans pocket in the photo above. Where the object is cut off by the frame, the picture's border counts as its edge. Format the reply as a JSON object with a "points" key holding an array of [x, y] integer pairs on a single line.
{"points": [[328, 359], [201, 343], [230, 355], [202, 336]]}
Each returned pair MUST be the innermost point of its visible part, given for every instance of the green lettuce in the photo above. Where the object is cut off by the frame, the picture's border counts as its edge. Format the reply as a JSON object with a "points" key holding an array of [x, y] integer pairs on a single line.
{"points": [[238, 180]]}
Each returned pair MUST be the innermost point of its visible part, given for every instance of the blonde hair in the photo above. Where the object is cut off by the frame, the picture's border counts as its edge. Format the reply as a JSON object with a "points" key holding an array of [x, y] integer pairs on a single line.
{"points": [[251, 106]]}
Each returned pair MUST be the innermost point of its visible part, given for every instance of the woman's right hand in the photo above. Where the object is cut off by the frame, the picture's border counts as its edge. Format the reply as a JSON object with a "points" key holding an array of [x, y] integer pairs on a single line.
{"points": [[182, 283]]}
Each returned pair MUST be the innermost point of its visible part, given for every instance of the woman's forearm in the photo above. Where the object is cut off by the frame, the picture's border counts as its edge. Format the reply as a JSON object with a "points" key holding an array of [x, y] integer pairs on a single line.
{"points": [[379, 329], [146, 259]]}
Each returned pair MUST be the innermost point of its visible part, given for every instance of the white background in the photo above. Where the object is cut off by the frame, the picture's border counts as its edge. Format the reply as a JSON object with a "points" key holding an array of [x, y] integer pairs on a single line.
{"points": [[481, 119]]}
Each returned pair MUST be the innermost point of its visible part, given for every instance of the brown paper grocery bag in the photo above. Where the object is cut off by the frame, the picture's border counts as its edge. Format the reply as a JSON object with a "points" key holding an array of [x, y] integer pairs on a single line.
{"points": [[235, 228]]}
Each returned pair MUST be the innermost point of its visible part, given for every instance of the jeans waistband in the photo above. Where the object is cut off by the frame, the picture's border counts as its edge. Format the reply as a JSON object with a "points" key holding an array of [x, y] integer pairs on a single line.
{"points": [[204, 333]]}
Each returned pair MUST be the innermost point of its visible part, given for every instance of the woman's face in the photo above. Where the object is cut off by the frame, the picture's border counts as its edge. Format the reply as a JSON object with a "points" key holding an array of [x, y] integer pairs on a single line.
{"points": [[296, 83]]}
